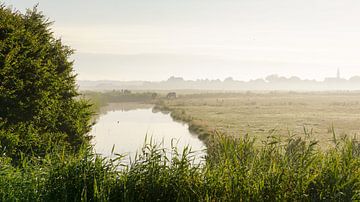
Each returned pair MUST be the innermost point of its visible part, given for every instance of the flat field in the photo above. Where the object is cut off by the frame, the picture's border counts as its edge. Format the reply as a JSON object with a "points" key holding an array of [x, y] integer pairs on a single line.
{"points": [[279, 113]]}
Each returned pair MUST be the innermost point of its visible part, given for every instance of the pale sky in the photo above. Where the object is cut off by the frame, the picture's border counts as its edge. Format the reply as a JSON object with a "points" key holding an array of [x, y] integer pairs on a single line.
{"points": [[195, 39]]}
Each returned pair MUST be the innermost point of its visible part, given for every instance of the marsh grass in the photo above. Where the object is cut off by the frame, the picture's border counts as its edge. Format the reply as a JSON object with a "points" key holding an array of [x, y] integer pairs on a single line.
{"points": [[257, 113], [235, 170]]}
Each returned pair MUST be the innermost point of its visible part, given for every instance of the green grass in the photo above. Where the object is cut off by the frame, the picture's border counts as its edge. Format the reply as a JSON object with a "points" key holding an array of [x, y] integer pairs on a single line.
{"points": [[102, 99], [235, 169], [257, 114]]}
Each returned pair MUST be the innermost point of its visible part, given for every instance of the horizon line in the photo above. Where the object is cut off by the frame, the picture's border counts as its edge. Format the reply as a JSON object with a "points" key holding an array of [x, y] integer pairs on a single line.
{"points": [[336, 77]]}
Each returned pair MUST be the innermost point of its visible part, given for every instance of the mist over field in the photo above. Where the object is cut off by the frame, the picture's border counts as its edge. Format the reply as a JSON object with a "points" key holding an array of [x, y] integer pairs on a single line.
{"points": [[272, 82]]}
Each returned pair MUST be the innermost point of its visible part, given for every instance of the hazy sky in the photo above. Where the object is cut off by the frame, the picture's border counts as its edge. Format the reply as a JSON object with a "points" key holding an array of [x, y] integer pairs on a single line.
{"points": [[244, 39]]}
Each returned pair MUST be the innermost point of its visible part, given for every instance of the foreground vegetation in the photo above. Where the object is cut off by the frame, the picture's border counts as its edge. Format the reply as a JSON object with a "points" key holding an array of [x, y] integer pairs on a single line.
{"points": [[235, 170]]}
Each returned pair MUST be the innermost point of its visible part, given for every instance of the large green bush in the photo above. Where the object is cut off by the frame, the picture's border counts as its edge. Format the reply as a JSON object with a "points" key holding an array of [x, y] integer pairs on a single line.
{"points": [[37, 86]]}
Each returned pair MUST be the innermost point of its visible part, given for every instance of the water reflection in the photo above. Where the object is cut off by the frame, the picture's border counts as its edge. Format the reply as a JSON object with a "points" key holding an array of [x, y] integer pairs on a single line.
{"points": [[126, 128]]}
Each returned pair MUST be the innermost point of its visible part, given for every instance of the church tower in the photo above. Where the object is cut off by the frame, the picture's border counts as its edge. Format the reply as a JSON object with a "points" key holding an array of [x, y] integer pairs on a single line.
{"points": [[338, 74]]}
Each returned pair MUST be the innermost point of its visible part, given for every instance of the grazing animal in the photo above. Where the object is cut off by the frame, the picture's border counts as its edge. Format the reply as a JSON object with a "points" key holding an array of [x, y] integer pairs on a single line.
{"points": [[171, 95]]}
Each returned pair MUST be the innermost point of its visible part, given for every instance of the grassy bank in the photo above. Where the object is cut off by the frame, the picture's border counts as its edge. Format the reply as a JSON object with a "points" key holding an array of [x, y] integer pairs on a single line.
{"points": [[235, 170], [261, 114], [102, 99], [195, 126]]}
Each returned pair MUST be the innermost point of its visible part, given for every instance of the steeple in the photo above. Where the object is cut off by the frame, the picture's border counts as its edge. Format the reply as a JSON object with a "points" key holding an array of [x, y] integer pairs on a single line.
{"points": [[338, 74]]}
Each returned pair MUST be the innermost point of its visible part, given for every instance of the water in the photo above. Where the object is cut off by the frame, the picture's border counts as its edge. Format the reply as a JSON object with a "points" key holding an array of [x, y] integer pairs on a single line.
{"points": [[127, 128]]}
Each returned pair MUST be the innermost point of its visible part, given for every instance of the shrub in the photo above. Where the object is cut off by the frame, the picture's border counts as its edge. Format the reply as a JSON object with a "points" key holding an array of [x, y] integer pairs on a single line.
{"points": [[37, 85]]}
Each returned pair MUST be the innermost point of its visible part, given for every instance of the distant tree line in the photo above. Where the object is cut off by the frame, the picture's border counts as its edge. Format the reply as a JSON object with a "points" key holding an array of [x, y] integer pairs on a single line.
{"points": [[271, 82]]}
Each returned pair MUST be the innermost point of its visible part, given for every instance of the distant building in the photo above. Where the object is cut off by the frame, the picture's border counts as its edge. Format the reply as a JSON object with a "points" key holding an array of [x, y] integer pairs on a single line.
{"points": [[335, 79]]}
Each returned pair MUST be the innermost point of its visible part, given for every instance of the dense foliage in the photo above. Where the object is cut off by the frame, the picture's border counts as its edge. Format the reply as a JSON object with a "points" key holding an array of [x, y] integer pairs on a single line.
{"points": [[37, 87], [235, 170]]}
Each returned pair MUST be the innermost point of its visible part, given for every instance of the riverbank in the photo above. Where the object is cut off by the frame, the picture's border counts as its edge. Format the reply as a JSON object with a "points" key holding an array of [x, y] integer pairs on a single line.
{"points": [[260, 115], [103, 99], [195, 126]]}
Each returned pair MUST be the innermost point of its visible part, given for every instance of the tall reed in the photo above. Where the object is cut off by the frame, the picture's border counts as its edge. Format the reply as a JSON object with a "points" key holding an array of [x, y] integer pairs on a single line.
{"points": [[234, 170]]}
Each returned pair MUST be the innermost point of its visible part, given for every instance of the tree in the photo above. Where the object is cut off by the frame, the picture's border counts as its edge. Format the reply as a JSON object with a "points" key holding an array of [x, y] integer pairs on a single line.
{"points": [[37, 82]]}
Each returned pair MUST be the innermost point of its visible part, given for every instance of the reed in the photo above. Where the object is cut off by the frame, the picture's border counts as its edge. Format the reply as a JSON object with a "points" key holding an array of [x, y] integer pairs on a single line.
{"points": [[234, 169]]}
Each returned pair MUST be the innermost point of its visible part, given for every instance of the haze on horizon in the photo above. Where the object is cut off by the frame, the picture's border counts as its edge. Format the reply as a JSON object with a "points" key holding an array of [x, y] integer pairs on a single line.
{"points": [[248, 39]]}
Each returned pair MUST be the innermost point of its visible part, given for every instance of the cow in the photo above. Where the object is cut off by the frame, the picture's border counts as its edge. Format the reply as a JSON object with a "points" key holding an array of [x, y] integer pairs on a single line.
{"points": [[171, 95]]}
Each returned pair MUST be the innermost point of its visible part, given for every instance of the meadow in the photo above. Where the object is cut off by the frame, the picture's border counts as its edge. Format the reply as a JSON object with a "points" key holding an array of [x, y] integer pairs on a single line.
{"points": [[264, 113]]}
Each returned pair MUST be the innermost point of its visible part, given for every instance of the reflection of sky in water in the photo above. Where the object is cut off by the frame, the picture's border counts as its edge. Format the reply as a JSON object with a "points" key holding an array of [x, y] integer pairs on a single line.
{"points": [[127, 131]]}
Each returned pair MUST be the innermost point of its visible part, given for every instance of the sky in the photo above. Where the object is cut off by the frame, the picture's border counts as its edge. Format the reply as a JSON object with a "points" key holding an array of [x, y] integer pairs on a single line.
{"points": [[214, 39]]}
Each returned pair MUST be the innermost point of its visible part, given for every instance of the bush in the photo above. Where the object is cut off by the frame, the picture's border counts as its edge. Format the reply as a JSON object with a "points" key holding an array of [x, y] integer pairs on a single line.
{"points": [[37, 86]]}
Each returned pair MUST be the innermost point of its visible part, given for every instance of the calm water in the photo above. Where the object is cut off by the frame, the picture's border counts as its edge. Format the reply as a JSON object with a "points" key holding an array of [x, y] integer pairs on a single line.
{"points": [[127, 131]]}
